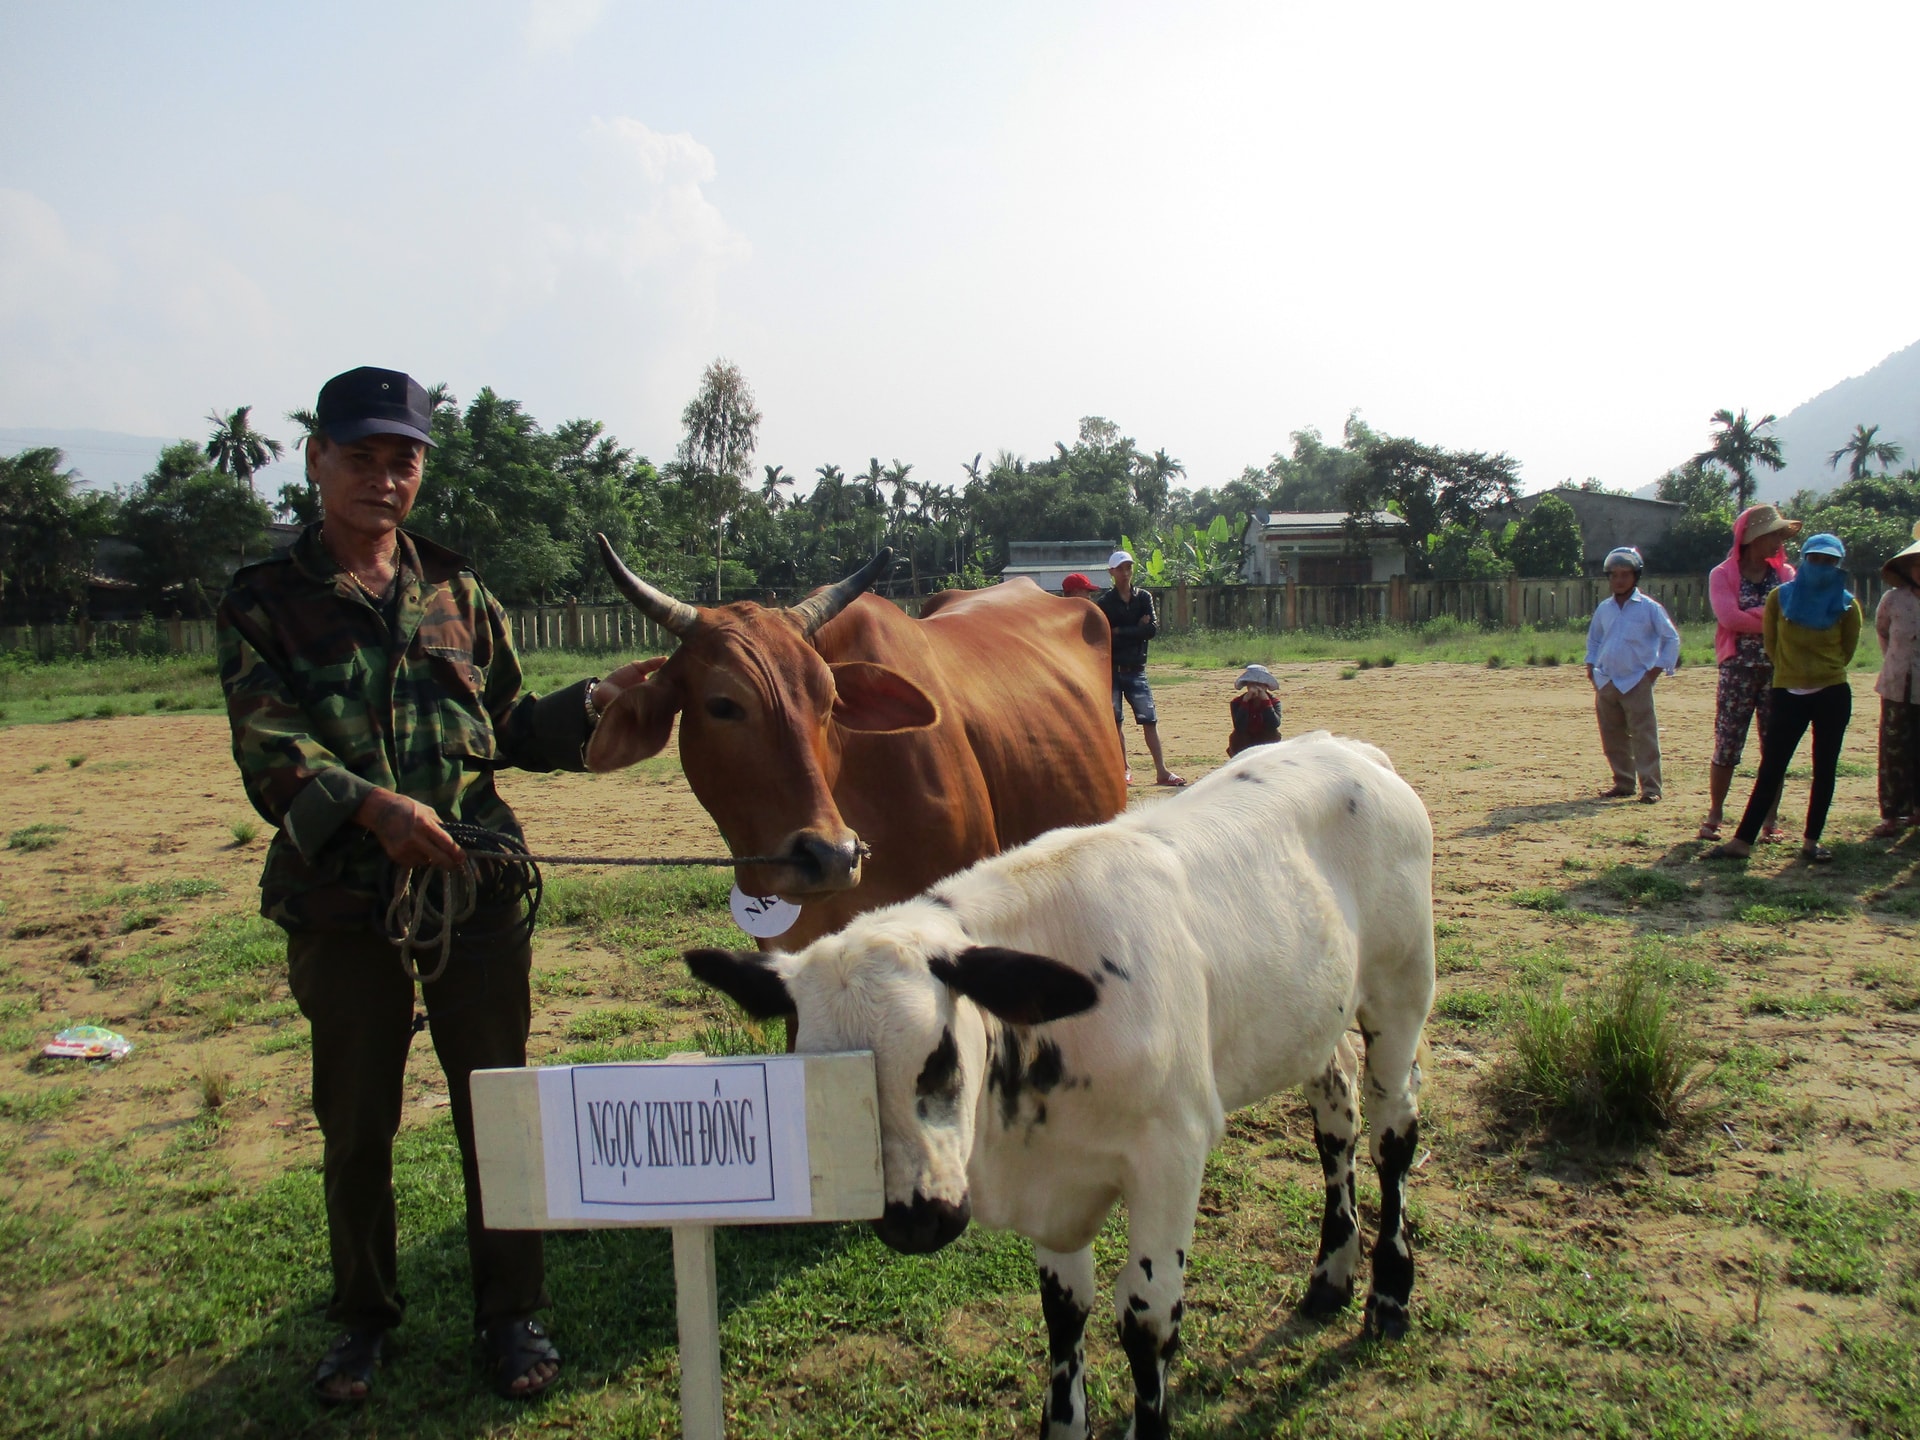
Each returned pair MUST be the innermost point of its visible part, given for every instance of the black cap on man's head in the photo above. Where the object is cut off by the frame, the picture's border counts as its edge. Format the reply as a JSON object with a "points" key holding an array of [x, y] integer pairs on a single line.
{"points": [[367, 402]]}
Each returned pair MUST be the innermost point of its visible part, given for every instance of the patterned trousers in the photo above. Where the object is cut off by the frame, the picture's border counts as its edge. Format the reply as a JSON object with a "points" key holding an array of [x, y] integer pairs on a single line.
{"points": [[1899, 759]]}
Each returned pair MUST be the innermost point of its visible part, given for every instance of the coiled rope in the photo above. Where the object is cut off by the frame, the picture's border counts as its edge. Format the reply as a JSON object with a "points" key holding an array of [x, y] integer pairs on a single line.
{"points": [[498, 874]]}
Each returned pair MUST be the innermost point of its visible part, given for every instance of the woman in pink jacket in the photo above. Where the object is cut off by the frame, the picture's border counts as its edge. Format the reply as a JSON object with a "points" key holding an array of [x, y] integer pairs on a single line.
{"points": [[1738, 588]]}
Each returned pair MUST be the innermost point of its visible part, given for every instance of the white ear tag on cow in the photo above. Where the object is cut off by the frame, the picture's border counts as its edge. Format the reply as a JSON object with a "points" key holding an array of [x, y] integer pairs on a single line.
{"points": [[762, 916]]}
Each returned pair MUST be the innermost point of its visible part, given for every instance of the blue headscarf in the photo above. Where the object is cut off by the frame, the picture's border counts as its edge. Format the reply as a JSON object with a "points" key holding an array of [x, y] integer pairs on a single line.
{"points": [[1818, 596]]}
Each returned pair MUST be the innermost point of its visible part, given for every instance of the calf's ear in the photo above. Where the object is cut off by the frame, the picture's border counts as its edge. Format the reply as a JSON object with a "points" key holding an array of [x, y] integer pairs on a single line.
{"points": [[747, 977], [1019, 988], [636, 726], [879, 700]]}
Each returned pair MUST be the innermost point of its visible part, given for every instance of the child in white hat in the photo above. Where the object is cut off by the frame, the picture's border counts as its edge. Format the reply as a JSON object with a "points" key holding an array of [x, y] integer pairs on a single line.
{"points": [[1255, 708]]}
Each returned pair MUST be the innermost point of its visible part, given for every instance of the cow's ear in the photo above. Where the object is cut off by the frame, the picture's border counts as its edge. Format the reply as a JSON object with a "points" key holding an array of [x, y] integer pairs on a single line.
{"points": [[636, 726], [1021, 989], [747, 977], [877, 700]]}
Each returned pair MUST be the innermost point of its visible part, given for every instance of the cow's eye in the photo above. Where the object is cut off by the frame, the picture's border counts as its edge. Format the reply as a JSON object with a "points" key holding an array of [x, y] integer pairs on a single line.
{"points": [[721, 708]]}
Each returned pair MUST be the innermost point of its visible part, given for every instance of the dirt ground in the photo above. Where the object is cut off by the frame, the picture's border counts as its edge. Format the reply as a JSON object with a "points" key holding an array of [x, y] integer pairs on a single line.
{"points": [[1507, 762]]}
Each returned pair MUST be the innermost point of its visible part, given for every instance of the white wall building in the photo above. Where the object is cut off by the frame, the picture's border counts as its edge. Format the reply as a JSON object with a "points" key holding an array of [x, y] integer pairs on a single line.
{"points": [[1314, 547]]}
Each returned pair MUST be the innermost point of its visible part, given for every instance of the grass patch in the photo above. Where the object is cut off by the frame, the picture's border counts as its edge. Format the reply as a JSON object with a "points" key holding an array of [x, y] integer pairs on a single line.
{"points": [[1837, 1238], [1746, 1072], [1896, 982], [1469, 1007], [223, 954], [1543, 898], [612, 1023], [244, 832], [1617, 1062], [1638, 886], [41, 835], [1801, 1007], [33, 1106]]}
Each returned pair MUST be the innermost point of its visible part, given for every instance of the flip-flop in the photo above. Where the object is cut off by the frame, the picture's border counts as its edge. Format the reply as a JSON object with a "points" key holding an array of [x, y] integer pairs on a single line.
{"points": [[1816, 854], [1709, 830], [1174, 784], [1887, 829], [513, 1347], [1721, 852], [356, 1355], [1773, 835]]}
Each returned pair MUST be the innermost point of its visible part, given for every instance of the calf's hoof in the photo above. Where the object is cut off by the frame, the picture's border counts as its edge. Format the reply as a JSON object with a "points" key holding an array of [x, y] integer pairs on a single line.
{"points": [[1386, 1319], [1324, 1299]]}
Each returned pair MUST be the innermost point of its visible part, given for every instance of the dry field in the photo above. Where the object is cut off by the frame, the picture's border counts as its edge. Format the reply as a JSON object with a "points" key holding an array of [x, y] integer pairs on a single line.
{"points": [[1751, 1272]]}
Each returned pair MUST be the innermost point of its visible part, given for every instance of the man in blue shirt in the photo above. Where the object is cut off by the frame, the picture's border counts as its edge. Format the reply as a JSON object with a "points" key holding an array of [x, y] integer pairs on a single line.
{"points": [[1631, 640]]}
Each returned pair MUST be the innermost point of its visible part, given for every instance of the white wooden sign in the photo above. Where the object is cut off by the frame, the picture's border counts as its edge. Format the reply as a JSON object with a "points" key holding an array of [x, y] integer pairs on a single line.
{"points": [[689, 1142]]}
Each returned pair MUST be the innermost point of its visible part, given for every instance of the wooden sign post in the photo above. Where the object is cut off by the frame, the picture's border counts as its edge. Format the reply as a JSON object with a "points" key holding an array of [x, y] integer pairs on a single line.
{"points": [[688, 1142]]}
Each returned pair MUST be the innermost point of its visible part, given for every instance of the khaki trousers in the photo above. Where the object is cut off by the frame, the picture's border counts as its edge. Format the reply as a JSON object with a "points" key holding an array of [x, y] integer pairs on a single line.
{"points": [[360, 1003], [1630, 734]]}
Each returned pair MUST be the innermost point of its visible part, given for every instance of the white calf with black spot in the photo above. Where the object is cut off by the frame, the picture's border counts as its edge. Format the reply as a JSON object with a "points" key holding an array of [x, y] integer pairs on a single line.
{"points": [[1070, 1023]]}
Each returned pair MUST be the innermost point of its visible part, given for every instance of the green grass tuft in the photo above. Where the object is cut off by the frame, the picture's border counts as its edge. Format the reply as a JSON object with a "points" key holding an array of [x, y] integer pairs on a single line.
{"points": [[1617, 1062], [1540, 897], [41, 835], [1801, 1007]]}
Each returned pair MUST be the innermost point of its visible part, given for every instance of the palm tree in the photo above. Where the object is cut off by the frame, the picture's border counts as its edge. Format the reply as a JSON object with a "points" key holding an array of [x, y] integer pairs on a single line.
{"points": [[828, 494], [776, 476], [1864, 450], [1738, 445], [438, 395], [236, 448], [308, 422]]}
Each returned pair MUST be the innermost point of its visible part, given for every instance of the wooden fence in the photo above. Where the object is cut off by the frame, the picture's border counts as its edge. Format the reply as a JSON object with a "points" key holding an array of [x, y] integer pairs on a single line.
{"points": [[1491, 604]]}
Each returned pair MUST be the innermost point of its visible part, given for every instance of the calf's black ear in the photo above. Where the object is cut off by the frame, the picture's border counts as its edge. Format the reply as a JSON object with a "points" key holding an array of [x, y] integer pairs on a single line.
{"points": [[1019, 988], [745, 976]]}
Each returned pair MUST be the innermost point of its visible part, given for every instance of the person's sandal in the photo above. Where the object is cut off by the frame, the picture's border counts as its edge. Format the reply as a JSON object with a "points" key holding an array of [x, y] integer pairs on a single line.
{"points": [[1816, 854], [1709, 830], [355, 1355], [1723, 852], [1887, 830], [1773, 835], [513, 1348]]}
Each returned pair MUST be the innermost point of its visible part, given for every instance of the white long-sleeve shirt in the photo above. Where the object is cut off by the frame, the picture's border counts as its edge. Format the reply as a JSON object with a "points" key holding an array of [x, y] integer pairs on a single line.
{"points": [[1625, 641]]}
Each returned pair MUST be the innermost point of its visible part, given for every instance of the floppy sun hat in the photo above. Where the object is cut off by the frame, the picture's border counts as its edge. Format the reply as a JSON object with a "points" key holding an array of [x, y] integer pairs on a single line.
{"points": [[1259, 675], [1764, 520]]}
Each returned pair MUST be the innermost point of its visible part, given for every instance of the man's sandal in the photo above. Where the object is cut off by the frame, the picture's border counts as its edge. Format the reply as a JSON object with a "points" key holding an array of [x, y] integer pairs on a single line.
{"points": [[1816, 854], [1709, 830], [354, 1355], [513, 1349], [1887, 830]]}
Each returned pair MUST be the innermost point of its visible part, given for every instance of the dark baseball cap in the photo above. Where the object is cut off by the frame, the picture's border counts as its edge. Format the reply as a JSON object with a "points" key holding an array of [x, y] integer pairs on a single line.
{"points": [[367, 402]]}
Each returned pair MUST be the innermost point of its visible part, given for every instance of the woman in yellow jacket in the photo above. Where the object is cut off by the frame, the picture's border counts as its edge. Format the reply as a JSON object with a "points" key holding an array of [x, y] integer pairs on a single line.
{"points": [[1811, 627]]}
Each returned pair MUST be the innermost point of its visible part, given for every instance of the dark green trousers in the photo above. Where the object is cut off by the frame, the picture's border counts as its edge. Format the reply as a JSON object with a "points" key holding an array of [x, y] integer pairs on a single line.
{"points": [[352, 990]]}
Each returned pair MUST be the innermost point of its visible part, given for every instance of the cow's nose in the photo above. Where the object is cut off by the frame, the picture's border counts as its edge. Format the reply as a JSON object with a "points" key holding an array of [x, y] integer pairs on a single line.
{"points": [[834, 863], [924, 1226]]}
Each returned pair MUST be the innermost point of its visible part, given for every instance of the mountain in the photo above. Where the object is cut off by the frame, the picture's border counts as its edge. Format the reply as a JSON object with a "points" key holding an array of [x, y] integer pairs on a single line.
{"points": [[1888, 395], [105, 459]]}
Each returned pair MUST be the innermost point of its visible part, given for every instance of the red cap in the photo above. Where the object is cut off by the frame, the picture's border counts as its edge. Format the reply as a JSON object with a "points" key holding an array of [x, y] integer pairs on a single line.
{"points": [[1078, 584]]}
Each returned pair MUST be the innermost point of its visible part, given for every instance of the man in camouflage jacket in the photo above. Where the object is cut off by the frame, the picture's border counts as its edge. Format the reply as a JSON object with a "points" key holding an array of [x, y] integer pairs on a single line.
{"points": [[373, 689]]}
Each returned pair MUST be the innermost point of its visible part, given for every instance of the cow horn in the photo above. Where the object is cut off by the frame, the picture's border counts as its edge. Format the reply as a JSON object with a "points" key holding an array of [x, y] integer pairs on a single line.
{"points": [[816, 610], [675, 615]]}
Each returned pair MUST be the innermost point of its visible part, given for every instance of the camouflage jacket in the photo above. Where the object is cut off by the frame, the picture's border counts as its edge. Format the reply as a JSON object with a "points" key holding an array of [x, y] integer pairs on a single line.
{"points": [[326, 704]]}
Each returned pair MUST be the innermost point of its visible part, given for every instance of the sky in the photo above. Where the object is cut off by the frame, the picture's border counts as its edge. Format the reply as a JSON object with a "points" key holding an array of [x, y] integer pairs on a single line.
{"points": [[1567, 232]]}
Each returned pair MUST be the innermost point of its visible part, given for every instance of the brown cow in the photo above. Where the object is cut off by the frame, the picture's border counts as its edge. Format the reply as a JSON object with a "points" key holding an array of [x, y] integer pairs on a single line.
{"points": [[880, 752]]}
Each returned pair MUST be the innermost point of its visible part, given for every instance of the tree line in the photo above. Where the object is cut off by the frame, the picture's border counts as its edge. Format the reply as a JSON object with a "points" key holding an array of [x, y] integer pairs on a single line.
{"points": [[523, 502]]}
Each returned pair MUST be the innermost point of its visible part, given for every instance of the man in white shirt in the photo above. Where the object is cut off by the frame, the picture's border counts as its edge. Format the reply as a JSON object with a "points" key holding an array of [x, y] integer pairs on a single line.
{"points": [[1631, 640]]}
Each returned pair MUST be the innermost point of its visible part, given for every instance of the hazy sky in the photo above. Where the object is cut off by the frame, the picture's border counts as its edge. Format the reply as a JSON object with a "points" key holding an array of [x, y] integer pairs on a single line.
{"points": [[930, 229]]}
